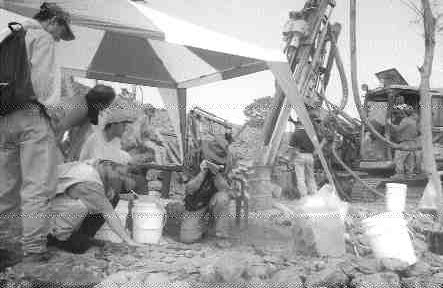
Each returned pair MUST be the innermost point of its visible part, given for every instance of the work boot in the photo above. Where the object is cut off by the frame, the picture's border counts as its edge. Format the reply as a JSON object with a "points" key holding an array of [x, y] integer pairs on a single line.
{"points": [[96, 242], [8, 259], [77, 243], [37, 257]]}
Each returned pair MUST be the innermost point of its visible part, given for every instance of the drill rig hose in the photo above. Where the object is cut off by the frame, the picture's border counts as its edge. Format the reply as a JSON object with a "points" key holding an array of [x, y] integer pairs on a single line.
{"points": [[335, 55]]}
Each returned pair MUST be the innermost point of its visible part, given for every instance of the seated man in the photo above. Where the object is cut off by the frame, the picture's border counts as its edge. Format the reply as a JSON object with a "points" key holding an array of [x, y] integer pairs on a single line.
{"points": [[208, 192], [86, 191]]}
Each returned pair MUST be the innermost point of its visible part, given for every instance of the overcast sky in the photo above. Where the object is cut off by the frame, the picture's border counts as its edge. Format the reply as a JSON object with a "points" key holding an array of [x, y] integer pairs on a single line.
{"points": [[387, 38]]}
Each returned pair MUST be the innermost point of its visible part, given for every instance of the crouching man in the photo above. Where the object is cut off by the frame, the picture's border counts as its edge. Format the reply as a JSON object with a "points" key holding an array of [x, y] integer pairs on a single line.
{"points": [[208, 194], [86, 192]]}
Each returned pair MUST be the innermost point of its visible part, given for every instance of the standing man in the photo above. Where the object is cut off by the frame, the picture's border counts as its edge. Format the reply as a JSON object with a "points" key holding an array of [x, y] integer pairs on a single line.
{"points": [[406, 133], [301, 154], [27, 142]]}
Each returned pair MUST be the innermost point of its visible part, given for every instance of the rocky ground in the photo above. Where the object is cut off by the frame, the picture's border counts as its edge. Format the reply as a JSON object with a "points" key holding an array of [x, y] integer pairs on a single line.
{"points": [[259, 255]]}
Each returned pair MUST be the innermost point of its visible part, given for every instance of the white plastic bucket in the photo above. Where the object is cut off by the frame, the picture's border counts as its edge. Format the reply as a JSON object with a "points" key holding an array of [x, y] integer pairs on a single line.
{"points": [[105, 233], [148, 221], [395, 197], [389, 238]]}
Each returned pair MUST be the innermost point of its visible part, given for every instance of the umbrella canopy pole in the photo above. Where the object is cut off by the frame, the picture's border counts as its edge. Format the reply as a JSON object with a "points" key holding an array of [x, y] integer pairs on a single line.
{"points": [[182, 101]]}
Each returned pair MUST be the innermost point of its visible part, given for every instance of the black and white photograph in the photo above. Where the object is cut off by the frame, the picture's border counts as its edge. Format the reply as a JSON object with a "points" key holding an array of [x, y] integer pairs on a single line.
{"points": [[210, 143]]}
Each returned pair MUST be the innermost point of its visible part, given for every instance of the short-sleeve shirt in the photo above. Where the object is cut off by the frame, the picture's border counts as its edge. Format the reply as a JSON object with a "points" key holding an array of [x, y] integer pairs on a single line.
{"points": [[82, 181], [93, 196]]}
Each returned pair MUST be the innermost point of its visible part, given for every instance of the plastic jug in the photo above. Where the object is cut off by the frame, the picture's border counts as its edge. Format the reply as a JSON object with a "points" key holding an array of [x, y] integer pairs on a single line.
{"points": [[148, 216]]}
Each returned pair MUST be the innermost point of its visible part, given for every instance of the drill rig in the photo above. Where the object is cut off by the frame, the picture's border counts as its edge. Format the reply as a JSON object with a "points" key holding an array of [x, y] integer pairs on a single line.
{"points": [[311, 50]]}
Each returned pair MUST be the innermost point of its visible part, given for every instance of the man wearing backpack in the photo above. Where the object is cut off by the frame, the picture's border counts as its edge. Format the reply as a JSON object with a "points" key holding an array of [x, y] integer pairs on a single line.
{"points": [[27, 142]]}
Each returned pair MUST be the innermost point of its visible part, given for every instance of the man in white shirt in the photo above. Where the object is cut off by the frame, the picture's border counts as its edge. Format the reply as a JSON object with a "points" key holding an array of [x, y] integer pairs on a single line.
{"points": [[105, 143]]}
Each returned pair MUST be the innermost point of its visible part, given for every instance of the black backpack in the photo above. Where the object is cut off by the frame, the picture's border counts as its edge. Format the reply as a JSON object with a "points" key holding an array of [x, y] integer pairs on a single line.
{"points": [[16, 90]]}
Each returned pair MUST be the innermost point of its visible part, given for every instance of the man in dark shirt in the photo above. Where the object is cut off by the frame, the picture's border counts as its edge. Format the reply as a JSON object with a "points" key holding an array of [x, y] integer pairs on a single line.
{"points": [[209, 191], [301, 152]]}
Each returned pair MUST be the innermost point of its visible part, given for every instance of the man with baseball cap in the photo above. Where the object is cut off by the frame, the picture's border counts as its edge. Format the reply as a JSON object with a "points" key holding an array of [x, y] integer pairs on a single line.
{"points": [[27, 143], [106, 144]]}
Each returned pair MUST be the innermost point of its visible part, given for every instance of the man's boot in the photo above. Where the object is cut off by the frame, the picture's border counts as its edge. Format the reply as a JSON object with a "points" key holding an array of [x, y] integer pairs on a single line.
{"points": [[8, 259], [37, 257], [77, 243]]}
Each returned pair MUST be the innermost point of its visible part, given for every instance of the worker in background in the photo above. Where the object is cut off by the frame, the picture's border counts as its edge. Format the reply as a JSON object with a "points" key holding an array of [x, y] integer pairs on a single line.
{"points": [[406, 134], [97, 99], [105, 143], [301, 152], [88, 189], [27, 144], [208, 192]]}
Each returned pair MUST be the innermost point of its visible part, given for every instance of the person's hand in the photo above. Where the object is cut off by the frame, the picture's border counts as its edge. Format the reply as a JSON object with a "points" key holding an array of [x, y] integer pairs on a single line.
{"points": [[204, 165], [213, 168]]}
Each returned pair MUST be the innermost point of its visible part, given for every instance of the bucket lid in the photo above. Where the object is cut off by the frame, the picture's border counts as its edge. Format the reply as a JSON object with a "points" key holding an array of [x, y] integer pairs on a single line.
{"points": [[155, 194], [392, 184], [382, 217]]}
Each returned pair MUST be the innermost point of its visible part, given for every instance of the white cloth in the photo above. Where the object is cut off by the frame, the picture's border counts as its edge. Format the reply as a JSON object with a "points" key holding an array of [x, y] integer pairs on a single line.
{"points": [[76, 172], [96, 147]]}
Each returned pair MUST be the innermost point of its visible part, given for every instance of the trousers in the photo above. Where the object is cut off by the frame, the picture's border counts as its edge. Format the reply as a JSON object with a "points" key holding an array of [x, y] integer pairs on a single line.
{"points": [[28, 174], [218, 213], [405, 161], [304, 171]]}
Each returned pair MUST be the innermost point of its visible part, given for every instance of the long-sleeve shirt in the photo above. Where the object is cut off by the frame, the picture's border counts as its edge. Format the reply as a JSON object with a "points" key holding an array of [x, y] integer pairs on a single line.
{"points": [[45, 72]]}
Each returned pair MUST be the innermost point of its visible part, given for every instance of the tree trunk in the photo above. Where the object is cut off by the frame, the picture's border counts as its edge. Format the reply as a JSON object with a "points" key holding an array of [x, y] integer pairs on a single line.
{"points": [[429, 164]]}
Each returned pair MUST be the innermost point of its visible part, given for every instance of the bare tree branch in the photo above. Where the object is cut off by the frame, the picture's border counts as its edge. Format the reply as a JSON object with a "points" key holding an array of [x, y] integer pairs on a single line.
{"points": [[411, 5]]}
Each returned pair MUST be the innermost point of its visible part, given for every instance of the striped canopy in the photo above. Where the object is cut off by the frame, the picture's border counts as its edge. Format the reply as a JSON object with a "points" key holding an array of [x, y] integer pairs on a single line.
{"points": [[118, 57], [127, 56]]}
